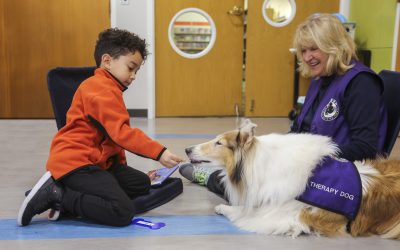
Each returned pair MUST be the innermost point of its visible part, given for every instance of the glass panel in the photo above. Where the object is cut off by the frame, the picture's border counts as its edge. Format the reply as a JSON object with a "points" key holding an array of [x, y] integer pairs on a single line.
{"points": [[279, 12], [192, 33]]}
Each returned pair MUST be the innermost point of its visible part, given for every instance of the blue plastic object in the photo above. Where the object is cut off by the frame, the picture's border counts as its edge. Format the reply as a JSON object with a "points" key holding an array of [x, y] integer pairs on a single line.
{"points": [[341, 17], [147, 223]]}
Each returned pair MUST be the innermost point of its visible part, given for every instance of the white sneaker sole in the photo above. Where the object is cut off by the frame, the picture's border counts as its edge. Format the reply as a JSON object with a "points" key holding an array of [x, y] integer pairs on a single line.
{"points": [[34, 190]]}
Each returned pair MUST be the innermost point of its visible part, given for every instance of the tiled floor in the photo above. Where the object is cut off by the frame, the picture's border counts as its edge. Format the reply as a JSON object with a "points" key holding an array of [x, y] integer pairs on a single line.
{"points": [[191, 221]]}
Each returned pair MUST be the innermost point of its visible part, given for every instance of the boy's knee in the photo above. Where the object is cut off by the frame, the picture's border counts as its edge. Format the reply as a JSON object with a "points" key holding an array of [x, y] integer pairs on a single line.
{"points": [[139, 188], [123, 214]]}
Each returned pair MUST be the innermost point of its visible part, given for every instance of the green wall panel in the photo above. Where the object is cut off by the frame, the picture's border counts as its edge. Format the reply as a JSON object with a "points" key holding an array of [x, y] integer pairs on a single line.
{"points": [[380, 57], [375, 29]]}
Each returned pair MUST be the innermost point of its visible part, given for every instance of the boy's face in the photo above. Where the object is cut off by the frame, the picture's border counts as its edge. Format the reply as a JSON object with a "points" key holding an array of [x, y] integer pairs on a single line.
{"points": [[124, 68]]}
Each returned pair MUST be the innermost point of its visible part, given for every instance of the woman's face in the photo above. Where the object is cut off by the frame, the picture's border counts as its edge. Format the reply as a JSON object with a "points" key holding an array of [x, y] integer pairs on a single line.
{"points": [[316, 60]]}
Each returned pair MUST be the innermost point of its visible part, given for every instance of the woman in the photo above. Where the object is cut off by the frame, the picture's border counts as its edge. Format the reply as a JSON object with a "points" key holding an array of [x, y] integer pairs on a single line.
{"points": [[344, 100]]}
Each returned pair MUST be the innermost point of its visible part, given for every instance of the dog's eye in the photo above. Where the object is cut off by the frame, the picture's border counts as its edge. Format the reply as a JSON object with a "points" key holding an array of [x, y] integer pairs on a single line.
{"points": [[218, 143]]}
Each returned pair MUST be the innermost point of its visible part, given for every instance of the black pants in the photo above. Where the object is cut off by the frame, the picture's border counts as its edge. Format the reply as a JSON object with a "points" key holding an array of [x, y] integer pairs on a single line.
{"points": [[214, 184], [104, 196]]}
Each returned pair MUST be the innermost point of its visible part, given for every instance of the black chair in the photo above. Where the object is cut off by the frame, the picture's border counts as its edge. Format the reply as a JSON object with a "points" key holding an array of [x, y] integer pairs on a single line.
{"points": [[62, 84], [391, 96]]}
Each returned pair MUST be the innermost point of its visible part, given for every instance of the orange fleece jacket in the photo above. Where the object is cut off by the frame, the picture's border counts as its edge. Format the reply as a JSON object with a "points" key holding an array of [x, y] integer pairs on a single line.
{"points": [[97, 128]]}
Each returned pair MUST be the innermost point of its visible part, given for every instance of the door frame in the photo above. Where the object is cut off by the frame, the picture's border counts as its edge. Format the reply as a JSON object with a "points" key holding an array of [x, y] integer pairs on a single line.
{"points": [[396, 40]]}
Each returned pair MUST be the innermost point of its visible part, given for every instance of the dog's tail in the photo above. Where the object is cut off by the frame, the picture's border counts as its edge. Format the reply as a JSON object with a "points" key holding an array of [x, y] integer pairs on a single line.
{"points": [[393, 233]]}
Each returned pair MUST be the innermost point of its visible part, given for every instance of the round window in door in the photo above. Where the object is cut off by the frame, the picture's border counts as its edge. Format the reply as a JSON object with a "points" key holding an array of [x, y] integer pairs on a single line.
{"points": [[192, 33], [279, 13]]}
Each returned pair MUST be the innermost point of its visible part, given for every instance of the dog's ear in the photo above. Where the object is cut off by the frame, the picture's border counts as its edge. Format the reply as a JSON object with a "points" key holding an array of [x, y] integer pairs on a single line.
{"points": [[246, 132], [247, 126]]}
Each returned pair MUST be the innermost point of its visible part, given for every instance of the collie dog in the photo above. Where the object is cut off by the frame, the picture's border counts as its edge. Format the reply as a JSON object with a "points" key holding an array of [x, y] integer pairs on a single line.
{"points": [[264, 176]]}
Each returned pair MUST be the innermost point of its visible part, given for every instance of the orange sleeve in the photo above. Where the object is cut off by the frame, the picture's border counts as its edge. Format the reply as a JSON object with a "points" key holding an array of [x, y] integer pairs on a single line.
{"points": [[108, 113]]}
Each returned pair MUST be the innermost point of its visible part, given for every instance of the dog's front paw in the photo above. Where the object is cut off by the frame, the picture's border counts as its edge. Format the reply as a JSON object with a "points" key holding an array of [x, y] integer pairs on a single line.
{"points": [[230, 212], [221, 209]]}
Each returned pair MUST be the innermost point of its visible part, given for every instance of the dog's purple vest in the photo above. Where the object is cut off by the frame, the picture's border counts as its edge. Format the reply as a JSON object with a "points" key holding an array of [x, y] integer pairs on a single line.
{"points": [[329, 118], [335, 186]]}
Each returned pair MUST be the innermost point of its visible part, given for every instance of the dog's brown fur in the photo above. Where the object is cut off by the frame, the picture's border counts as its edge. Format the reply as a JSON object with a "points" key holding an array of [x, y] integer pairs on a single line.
{"points": [[379, 211]]}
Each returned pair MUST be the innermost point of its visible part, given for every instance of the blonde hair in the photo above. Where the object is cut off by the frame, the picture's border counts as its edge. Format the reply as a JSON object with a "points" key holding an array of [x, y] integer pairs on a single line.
{"points": [[328, 34]]}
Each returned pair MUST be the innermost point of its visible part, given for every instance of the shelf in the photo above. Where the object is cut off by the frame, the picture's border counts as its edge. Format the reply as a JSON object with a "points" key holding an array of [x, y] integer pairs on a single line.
{"points": [[191, 41], [191, 49], [192, 33]]}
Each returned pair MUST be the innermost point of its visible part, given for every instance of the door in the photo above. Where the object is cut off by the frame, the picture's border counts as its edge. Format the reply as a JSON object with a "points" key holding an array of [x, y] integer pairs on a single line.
{"points": [[37, 35], [209, 85], [269, 64]]}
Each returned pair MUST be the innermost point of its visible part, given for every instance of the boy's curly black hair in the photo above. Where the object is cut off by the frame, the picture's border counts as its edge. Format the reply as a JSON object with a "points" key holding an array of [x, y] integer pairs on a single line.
{"points": [[117, 42]]}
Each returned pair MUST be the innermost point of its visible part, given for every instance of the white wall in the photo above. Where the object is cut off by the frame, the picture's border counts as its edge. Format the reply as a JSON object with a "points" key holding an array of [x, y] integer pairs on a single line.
{"points": [[137, 16], [396, 37], [344, 8]]}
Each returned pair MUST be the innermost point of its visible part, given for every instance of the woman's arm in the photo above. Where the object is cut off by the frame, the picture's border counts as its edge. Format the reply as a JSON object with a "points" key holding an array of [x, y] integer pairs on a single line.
{"points": [[362, 102]]}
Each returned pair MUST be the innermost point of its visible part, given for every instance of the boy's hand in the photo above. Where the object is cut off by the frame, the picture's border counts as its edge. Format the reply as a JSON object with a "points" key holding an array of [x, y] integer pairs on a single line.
{"points": [[152, 174], [169, 160]]}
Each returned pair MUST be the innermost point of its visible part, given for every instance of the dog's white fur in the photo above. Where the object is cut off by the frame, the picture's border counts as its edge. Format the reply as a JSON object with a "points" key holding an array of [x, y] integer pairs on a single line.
{"points": [[264, 175]]}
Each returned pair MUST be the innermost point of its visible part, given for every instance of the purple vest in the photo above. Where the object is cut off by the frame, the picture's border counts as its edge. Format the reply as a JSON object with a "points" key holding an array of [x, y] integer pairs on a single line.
{"points": [[329, 119], [334, 186]]}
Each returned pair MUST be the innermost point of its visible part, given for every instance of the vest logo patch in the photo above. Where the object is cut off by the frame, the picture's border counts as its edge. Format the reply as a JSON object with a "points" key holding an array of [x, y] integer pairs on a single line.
{"points": [[330, 111]]}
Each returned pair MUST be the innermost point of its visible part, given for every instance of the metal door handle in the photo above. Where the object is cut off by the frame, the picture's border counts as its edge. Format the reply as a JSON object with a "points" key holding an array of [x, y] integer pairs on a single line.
{"points": [[236, 11]]}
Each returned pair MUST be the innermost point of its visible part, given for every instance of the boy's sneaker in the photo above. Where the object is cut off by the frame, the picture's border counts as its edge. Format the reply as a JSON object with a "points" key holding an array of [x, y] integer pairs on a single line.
{"points": [[44, 195], [54, 212], [196, 174]]}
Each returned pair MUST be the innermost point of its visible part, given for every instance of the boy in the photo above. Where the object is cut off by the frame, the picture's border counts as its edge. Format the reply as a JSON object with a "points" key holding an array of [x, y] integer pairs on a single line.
{"points": [[87, 156]]}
